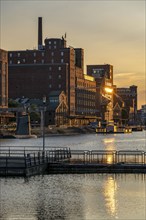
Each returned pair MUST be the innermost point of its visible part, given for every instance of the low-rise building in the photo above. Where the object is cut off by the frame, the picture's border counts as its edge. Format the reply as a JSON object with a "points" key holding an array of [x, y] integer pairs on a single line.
{"points": [[129, 97]]}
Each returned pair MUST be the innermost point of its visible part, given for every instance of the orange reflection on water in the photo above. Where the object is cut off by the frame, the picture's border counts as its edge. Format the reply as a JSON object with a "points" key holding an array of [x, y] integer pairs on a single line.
{"points": [[109, 140], [110, 193]]}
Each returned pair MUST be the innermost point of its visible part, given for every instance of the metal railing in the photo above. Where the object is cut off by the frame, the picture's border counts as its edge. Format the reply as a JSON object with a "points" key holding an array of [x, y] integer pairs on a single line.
{"points": [[16, 161], [36, 157], [108, 156]]}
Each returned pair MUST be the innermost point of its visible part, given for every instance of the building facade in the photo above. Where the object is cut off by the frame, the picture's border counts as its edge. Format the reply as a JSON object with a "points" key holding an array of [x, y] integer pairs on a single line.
{"points": [[52, 67], [129, 97], [143, 115], [103, 75], [3, 78], [4, 116]]}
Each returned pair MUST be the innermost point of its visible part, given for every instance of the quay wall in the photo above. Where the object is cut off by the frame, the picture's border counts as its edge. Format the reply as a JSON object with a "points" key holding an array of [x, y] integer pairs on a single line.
{"points": [[95, 168]]}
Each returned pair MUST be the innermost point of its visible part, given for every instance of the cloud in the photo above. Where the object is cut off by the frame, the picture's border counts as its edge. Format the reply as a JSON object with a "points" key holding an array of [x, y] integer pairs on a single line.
{"points": [[124, 74]]}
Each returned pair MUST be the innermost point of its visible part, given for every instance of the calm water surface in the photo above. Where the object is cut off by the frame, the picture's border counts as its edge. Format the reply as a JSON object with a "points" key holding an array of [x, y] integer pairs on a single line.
{"points": [[76, 196]]}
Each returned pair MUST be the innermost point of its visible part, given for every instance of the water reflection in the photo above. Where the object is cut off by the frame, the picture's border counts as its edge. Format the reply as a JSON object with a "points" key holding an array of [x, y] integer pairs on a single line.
{"points": [[109, 140], [110, 194], [89, 196]]}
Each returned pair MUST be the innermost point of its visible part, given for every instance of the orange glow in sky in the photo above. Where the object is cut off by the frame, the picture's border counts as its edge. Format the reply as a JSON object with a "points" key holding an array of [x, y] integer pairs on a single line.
{"points": [[111, 32]]}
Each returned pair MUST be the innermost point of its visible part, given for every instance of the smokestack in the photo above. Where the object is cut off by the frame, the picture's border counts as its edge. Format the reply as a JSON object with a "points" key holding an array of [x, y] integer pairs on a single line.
{"points": [[40, 46]]}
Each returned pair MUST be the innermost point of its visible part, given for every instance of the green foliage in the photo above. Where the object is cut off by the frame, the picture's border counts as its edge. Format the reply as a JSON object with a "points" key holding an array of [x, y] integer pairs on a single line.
{"points": [[13, 104], [35, 116]]}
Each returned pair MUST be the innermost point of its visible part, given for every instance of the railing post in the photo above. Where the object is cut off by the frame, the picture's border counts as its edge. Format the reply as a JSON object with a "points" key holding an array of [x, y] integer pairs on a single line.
{"points": [[29, 159], [39, 157], [34, 159], [24, 152], [85, 156], [9, 152], [43, 157], [6, 170]]}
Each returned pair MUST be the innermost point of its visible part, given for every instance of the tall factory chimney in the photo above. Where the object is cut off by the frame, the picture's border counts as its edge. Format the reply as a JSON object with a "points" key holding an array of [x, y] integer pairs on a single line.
{"points": [[40, 46]]}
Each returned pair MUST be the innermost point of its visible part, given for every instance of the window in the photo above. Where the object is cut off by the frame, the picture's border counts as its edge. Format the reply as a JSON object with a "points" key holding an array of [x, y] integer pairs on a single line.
{"points": [[62, 60], [50, 86], [42, 61], [18, 62], [59, 86], [52, 53], [50, 68], [54, 42], [54, 47], [11, 54], [23, 60], [18, 54], [10, 61], [59, 76], [34, 54], [49, 42], [62, 53], [50, 77], [59, 68], [49, 47], [34, 61], [52, 60], [43, 54]]}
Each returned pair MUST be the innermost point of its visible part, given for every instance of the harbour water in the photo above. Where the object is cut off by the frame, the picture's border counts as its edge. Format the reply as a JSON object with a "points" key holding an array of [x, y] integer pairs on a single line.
{"points": [[76, 196]]}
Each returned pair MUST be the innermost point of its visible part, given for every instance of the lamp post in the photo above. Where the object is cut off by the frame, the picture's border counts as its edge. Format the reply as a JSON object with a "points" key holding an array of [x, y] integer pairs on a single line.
{"points": [[44, 103]]}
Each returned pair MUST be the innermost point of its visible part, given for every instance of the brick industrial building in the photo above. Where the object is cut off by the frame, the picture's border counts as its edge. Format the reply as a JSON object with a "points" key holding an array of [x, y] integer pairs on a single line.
{"points": [[54, 67], [3, 78], [4, 116]]}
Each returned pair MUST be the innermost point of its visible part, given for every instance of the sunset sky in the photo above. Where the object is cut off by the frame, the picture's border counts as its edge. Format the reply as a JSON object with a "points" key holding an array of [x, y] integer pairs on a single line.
{"points": [[111, 32]]}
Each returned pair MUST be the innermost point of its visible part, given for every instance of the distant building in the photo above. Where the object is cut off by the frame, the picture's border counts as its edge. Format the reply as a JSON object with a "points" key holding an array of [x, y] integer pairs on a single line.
{"points": [[103, 75], [57, 113], [4, 116], [129, 97], [53, 67], [3, 78], [143, 115]]}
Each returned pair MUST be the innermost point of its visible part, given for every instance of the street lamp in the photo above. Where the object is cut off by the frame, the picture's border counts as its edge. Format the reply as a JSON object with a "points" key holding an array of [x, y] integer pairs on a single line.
{"points": [[44, 103]]}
